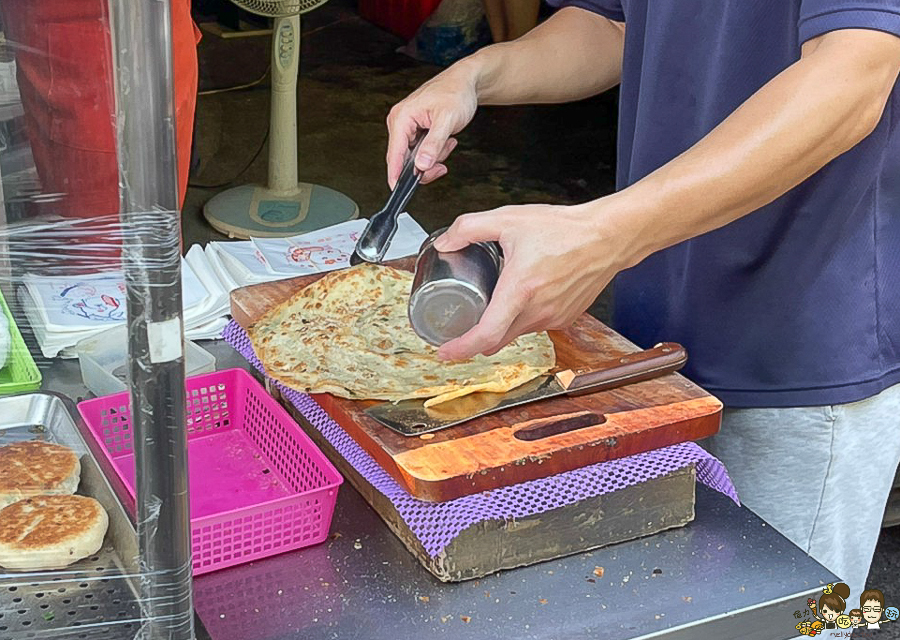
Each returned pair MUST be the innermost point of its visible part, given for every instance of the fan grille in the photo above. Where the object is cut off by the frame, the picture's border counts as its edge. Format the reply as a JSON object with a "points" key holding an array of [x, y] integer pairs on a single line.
{"points": [[278, 8]]}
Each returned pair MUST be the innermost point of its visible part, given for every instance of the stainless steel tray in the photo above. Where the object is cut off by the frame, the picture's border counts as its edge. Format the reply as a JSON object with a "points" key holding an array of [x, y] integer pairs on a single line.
{"points": [[95, 597]]}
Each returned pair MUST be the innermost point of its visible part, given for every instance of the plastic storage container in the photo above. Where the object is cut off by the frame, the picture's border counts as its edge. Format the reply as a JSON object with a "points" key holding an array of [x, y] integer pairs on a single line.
{"points": [[258, 485], [20, 374], [104, 361]]}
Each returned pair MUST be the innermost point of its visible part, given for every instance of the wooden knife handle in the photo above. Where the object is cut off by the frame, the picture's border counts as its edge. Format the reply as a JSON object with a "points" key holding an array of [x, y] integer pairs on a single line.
{"points": [[664, 358]]}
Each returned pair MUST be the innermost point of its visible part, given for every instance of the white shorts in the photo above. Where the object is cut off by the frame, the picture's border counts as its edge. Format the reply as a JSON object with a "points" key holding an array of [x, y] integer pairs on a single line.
{"points": [[819, 475]]}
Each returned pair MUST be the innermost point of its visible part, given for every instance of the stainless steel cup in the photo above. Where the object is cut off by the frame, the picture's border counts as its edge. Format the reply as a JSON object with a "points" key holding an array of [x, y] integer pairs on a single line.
{"points": [[451, 290]]}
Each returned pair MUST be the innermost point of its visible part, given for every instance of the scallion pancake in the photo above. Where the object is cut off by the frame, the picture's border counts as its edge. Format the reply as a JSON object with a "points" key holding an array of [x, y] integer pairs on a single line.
{"points": [[348, 334]]}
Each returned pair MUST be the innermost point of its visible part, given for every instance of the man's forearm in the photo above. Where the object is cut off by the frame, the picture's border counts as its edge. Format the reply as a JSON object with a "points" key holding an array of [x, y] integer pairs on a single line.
{"points": [[574, 54], [806, 116]]}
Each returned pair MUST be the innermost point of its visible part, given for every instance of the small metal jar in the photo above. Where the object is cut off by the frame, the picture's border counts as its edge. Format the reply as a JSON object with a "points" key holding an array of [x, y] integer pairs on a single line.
{"points": [[451, 290]]}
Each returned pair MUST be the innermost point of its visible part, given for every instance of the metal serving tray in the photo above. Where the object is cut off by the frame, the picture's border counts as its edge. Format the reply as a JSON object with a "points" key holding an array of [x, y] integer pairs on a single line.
{"points": [[95, 597]]}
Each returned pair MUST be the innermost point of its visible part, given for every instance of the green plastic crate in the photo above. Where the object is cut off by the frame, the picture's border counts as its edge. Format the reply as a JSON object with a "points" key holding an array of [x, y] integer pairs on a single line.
{"points": [[20, 374]]}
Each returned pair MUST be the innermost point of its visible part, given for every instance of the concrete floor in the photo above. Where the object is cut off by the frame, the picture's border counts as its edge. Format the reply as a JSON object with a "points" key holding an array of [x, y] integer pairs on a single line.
{"points": [[351, 74]]}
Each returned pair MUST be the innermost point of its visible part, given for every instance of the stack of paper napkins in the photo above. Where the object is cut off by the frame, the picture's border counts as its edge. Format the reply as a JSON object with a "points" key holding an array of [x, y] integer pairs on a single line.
{"points": [[239, 264], [63, 311]]}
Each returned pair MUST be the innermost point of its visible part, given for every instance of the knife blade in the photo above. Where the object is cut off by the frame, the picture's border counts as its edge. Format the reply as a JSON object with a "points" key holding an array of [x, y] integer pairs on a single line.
{"points": [[412, 418]]}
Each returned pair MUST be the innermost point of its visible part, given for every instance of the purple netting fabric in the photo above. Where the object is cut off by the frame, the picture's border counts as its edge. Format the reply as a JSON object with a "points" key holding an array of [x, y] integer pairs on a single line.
{"points": [[436, 524]]}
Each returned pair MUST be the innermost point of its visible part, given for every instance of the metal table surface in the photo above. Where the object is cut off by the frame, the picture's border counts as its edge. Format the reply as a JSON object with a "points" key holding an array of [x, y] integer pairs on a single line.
{"points": [[725, 575]]}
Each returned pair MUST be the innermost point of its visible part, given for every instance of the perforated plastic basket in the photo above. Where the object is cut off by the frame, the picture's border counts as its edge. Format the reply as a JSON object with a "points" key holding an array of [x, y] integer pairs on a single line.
{"points": [[258, 484], [20, 374]]}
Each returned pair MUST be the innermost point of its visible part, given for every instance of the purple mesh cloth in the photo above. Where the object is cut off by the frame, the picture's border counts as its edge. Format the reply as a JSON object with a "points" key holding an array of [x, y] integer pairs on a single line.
{"points": [[436, 524]]}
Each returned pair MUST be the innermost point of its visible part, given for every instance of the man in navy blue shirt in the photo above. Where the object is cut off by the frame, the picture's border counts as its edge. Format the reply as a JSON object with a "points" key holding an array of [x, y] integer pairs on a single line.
{"points": [[757, 222]]}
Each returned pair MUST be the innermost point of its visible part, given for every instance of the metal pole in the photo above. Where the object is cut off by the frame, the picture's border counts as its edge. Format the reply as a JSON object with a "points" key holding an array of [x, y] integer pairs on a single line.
{"points": [[142, 46]]}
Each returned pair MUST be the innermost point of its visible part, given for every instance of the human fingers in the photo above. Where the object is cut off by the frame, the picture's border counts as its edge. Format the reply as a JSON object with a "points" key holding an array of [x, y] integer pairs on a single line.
{"points": [[402, 129], [439, 170], [449, 146], [435, 141], [493, 330], [469, 228]]}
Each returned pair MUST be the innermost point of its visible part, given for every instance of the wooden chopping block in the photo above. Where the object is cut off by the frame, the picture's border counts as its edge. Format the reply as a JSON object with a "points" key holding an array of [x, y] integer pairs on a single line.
{"points": [[498, 450]]}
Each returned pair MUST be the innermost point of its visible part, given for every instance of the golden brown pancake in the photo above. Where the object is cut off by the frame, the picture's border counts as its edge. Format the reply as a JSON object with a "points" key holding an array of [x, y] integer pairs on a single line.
{"points": [[50, 532], [36, 468], [348, 334]]}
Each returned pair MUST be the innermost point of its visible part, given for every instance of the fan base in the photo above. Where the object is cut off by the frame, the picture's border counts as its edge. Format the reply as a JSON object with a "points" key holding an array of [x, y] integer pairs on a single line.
{"points": [[253, 210]]}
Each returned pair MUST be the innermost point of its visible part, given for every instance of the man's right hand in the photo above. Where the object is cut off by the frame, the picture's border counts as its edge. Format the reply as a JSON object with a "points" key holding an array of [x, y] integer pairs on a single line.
{"points": [[444, 106]]}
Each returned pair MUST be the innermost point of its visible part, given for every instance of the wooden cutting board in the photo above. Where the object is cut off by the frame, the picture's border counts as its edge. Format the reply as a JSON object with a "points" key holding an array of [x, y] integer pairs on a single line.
{"points": [[486, 453]]}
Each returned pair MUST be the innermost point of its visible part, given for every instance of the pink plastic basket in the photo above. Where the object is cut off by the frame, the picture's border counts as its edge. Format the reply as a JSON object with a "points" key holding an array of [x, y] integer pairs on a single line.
{"points": [[258, 485]]}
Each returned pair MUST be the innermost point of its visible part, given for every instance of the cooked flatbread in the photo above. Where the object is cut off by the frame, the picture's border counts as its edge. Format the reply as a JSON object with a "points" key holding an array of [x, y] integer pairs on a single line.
{"points": [[35, 468], [50, 532], [348, 334]]}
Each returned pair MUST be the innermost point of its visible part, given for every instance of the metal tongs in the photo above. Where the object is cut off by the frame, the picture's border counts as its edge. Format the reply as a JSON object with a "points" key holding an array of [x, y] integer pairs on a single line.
{"points": [[376, 237]]}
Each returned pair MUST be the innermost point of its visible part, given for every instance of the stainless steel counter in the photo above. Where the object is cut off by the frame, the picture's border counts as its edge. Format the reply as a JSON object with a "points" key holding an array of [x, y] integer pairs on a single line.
{"points": [[725, 575]]}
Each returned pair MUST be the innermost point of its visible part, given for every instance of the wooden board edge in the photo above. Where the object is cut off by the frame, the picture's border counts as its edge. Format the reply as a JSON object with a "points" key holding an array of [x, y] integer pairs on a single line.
{"points": [[451, 486], [329, 404]]}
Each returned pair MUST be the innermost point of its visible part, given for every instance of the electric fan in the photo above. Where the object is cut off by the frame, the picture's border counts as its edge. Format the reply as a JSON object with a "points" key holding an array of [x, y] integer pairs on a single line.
{"points": [[284, 207]]}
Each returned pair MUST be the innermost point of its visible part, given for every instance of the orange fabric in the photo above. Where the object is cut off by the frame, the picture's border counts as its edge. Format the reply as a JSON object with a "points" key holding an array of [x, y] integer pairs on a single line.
{"points": [[185, 36], [65, 77]]}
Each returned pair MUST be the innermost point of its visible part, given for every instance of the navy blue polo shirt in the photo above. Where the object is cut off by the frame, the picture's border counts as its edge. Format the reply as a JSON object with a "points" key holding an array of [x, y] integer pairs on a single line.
{"points": [[797, 303]]}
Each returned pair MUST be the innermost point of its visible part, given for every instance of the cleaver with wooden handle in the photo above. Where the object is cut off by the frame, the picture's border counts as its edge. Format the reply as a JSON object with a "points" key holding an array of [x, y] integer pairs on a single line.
{"points": [[412, 418]]}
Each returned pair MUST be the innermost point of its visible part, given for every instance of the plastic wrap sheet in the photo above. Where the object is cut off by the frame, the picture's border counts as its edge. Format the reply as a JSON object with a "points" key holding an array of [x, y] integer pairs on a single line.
{"points": [[437, 524], [89, 239], [68, 275]]}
